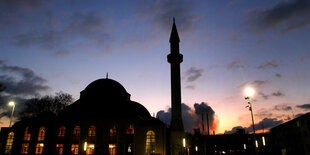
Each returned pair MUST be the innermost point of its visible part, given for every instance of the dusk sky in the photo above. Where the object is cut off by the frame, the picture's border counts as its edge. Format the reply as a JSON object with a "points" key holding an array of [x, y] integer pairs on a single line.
{"points": [[53, 46]]}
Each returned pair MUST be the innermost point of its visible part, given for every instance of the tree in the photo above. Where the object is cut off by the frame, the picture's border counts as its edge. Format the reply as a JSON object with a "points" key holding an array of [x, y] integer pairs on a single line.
{"points": [[45, 104]]}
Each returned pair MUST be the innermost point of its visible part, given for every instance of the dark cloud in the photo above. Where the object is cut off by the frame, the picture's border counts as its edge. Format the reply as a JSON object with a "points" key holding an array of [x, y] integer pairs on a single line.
{"points": [[193, 74], [304, 106], [21, 81], [259, 83], [162, 12], [87, 25], [236, 64], [62, 53], [286, 15], [283, 107], [192, 118], [275, 94], [235, 130], [278, 94], [266, 123], [278, 75], [268, 64]]}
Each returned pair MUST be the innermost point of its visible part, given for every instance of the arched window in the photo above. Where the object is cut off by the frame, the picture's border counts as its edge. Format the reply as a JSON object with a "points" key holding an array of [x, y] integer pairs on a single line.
{"points": [[39, 148], [112, 140], [130, 130], [150, 142], [76, 133], [62, 131], [27, 134], [9, 143], [41, 135]]}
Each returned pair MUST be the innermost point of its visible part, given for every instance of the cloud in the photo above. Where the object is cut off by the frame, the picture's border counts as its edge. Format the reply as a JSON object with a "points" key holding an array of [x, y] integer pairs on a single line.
{"points": [[192, 118], [83, 29], [193, 74], [275, 94], [304, 106], [266, 123], [278, 75], [278, 94], [268, 64], [236, 64], [286, 16], [162, 12], [21, 81], [258, 83], [187, 117], [283, 107]]}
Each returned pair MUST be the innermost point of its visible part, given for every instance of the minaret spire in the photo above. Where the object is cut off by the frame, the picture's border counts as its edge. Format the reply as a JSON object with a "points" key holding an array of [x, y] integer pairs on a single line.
{"points": [[176, 125]]}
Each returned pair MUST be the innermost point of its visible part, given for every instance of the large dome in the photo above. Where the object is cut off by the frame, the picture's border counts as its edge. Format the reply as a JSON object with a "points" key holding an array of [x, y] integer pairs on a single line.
{"points": [[105, 89]]}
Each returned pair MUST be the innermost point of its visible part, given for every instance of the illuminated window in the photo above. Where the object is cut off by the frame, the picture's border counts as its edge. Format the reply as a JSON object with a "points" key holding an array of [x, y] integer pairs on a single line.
{"points": [[62, 131], [150, 142], [41, 133], [9, 143], [90, 149], [112, 149], [92, 131], [113, 135], [75, 148], [27, 134], [25, 148], [39, 148], [76, 133], [130, 130], [59, 148]]}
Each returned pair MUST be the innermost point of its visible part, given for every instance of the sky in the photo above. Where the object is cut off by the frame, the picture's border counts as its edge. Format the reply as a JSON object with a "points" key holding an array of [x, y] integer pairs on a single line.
{"points": [[228, 45]]}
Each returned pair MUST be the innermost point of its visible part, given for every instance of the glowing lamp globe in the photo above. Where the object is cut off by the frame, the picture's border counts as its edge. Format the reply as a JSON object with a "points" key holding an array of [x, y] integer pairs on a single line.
{"points": [[249, 92], [11, 103]]}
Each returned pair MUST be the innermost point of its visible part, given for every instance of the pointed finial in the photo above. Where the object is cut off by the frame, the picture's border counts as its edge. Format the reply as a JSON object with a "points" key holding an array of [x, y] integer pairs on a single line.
{"points": [[107, 75], [174, 36]]}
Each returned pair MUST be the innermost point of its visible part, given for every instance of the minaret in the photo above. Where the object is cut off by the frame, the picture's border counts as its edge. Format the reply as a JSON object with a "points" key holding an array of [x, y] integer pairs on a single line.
{"points": [[176, 125]]}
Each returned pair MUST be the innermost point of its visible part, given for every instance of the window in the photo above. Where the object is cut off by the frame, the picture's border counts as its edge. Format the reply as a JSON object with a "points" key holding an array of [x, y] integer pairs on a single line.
{"points": [[90, 149], [92, 131], [39, 148], [61, 133], [130, 130], [59, 148], [112, 149], [150, 142], [25, 148], [113, 135], [27, 134], [9, 143], [76, 133], [41, 133], [75, 148]]}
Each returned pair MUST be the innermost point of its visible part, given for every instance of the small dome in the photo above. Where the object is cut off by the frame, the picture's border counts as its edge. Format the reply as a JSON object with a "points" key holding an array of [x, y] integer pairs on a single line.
{"points": [[105, 89]]}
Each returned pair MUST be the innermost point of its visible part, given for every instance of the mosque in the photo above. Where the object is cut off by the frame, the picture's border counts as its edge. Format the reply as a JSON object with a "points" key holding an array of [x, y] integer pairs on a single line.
{"points": [[104, 120]]}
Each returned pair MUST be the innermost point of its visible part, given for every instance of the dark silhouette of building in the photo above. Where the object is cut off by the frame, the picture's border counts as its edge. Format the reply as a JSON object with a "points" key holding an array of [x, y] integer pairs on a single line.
{"points": [[103, 121], [292, 137], [176, 125]]}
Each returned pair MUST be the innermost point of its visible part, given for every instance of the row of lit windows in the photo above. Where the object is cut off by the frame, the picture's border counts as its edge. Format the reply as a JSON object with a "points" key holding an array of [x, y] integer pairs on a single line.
{"points": [[150, 141]]}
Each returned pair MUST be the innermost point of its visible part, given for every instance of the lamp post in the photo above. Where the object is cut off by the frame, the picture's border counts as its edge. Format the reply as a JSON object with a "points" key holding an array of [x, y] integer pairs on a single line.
{"points": [[249, 92], [12, 104]]}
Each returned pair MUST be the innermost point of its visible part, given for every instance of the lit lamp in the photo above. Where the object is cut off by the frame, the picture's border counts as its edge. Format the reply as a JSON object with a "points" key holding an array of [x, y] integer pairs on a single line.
{"points": [[249, 92], [12, 104]]}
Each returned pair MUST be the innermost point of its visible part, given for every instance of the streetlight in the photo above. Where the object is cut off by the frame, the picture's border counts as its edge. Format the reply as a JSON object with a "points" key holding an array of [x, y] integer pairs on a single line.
{"points": [[249, 92], [12, 104]]}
